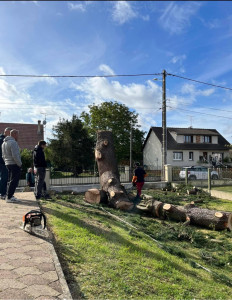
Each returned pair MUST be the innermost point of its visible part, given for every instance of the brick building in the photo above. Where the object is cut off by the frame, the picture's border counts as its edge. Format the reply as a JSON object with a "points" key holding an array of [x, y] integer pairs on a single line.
{"points": [[29, 134]]}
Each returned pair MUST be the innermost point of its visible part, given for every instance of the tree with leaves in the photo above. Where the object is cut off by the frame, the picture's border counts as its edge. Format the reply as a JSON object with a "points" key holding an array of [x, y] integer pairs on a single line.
{"points": [[72, 147], [119, 119], [27, 161]]}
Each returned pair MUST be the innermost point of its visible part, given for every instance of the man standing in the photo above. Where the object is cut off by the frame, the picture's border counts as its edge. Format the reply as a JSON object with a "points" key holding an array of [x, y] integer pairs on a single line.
{"points": [[40, 166], [12, 159], [3, 169], [138, 180]]}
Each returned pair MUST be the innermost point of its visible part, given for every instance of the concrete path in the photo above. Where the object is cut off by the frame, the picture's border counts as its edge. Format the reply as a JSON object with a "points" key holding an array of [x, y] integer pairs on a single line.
{"points": [[29, 267]]}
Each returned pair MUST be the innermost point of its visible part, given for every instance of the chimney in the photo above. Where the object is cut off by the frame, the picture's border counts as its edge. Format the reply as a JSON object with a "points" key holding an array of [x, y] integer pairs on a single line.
{"points": [[39, 127]]}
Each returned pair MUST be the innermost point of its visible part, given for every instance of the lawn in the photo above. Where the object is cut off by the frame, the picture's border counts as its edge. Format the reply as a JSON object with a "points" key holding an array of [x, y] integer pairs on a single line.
{"points": [[105, 258], [227, 189]]}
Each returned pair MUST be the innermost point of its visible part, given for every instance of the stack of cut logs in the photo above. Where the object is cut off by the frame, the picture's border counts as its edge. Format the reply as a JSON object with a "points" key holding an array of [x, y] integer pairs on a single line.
{"points": [[189, 214]]}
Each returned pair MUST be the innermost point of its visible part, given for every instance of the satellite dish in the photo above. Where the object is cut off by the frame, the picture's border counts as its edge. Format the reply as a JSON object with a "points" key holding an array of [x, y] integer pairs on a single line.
{"points": [[44, 122]]}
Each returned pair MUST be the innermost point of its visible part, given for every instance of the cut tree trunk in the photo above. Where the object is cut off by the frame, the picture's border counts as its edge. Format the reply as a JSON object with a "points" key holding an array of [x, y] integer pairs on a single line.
{"points": [[210, 218], [189, 214], [154, 207], [108, 171], [176, 213], [96, 196]]}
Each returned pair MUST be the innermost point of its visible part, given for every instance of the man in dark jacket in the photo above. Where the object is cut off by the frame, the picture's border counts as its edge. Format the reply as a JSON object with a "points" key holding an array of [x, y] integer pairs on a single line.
{"points": [[40, 167], [138, 180], [3, 168]]}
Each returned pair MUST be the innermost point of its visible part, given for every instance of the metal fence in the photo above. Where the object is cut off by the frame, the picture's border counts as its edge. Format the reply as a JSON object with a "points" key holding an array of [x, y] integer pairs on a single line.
{"points": [[91, 176], [201, 173]]}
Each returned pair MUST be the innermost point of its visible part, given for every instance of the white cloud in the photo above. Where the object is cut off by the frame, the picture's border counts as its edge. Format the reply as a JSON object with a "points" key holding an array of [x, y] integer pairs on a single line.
{"points": [[133, 95], [79, 6], [176, 17], [49, 80], [146, 18], [106, 70], [123, 12], [178, 58], [2, 72], [17, 105], [212, 24], [191, 90], [144, 98]]}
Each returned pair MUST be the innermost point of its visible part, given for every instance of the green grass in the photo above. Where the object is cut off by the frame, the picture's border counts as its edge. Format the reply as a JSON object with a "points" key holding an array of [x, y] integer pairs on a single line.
{"points": [[104, 258], [227, 189]]}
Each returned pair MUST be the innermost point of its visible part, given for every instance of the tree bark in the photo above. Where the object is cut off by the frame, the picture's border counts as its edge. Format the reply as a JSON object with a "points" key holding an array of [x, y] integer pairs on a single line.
{"points": [[108, 171], [176, 213], [210, 218], [190, 214]]}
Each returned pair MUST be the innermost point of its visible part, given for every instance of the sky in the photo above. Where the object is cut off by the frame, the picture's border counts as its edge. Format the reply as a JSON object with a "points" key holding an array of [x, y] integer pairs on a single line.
{"points": [[191, 39]]}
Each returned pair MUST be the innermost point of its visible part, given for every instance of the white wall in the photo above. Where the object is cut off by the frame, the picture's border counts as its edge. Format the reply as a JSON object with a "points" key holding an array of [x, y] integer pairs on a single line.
{"points": [[152, 151], [185, 162]]}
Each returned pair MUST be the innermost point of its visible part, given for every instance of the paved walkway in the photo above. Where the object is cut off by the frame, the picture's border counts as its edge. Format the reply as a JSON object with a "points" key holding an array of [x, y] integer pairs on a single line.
{"points": [[29, 267]]}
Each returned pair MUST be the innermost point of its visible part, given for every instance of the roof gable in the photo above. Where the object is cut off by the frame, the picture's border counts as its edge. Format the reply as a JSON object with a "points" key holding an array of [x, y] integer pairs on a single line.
{"points": [[173, 145]]}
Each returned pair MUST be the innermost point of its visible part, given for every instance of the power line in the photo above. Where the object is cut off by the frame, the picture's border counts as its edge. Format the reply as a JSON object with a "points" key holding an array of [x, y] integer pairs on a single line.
{"points": [[185, 104], [202, 82], [197, 112], [78, 76]]}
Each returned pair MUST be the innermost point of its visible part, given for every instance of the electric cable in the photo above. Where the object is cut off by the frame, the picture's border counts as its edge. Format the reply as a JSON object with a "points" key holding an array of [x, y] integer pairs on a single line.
{"points": [[202, 82], [78, 76], [196, 112]]}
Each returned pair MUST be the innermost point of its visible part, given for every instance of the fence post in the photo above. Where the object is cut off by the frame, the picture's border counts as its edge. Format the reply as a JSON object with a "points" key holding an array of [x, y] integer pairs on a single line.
{"points": [[209, 179], [186, 176], [47, 178], [168, 173], [127, 174]]}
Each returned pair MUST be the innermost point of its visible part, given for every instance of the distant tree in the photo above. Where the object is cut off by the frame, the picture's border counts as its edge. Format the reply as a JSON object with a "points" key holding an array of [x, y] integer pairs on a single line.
{"points": [[118, 118], [72, 147], [27, 160]]}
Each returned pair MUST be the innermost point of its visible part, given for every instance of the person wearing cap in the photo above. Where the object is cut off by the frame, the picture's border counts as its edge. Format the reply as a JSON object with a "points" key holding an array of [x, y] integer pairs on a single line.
{"points": [[138, 179], [3, 168], [12, 159]]}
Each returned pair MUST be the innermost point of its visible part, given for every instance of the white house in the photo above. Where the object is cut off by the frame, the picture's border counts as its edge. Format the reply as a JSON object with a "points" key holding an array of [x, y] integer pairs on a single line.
{"points": [[185, 147]]}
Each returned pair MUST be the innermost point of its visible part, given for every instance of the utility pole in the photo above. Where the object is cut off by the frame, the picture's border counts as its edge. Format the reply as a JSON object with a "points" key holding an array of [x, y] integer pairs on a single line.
{"points": [[131, 136], [164, 123]]}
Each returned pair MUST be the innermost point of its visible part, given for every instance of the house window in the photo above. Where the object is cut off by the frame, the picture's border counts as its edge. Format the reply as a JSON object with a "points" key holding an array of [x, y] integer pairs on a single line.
{"points": [[190, 155], [177, 155], [207, 139], [188, 139]]}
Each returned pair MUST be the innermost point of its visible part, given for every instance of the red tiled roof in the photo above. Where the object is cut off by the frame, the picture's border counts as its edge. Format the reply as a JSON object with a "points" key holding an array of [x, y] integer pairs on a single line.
{"points": [[28, 134]]}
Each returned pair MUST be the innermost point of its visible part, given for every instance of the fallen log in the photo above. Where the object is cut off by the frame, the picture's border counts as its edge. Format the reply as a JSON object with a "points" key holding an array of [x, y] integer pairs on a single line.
{"points": [[189, 214], [96, 196], [210, 218], [176, 213], [108, 171], [154, 207]]}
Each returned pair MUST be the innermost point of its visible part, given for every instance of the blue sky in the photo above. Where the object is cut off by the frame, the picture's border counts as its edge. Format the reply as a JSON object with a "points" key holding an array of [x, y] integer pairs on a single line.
{"points": [[187, 38]]}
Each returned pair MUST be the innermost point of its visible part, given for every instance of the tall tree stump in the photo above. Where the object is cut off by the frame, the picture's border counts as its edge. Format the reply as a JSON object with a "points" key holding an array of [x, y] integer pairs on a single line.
{"points": [[108, 171]]}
